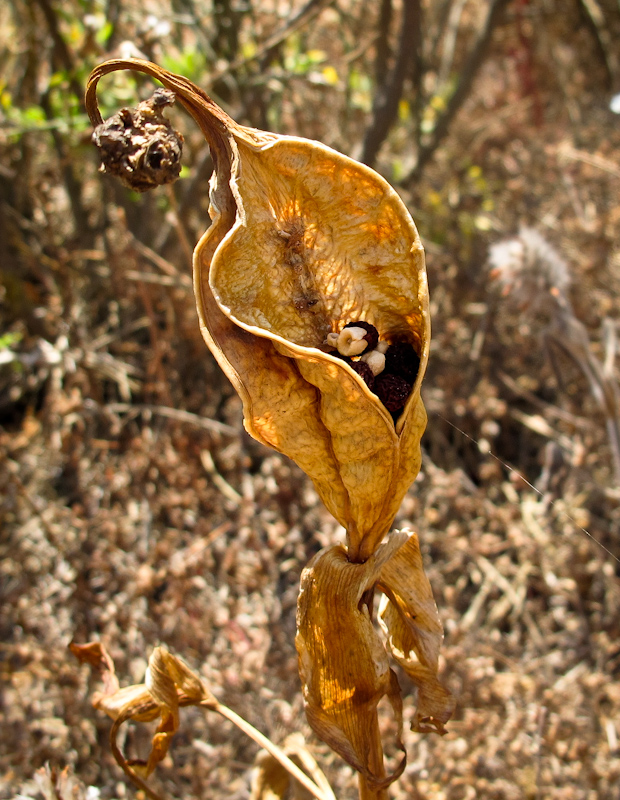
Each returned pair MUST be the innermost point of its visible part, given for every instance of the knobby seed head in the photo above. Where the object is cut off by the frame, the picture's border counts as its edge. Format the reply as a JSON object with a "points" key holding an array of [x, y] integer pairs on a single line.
{"points": [[140, 145]]}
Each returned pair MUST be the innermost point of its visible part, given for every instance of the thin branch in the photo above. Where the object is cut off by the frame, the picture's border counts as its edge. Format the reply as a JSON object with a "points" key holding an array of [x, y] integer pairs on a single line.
{"points": [[570, 335], [595, 21], [388, 97], [466, 79], [172, 413], [305, 14], [449, 41], [383, 42], [272, 749]]}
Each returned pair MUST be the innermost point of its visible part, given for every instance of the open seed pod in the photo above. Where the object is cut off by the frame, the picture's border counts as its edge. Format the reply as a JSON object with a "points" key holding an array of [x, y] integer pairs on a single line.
{"points": [[304, 240]]}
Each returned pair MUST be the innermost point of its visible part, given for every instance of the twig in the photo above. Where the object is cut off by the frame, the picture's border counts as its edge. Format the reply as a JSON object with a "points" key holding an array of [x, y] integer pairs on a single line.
{"points": [[178, 226], [172, 413], [305, 14], [466, 79], [570, 335], [160, 280], [272, 749], [540, 425], [388, 97], [594, 19], [61, 49], [449, 42], [565, 150], [542, 718], [383, 42], [163, 264], [222, 484]]}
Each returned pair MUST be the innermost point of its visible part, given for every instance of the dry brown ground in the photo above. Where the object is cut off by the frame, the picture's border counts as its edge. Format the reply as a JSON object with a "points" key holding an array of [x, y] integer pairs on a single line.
{"points": [[123, 523]]}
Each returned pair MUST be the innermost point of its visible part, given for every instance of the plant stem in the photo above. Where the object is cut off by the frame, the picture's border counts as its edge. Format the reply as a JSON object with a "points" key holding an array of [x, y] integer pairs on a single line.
{"points": [[376, 766], [275, 751]]}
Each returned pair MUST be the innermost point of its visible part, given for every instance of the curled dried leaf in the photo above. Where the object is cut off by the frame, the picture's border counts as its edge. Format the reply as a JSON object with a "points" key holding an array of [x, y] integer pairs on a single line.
{"points": [[169, 684], [342, 662], [414, 632], [304, 241]]}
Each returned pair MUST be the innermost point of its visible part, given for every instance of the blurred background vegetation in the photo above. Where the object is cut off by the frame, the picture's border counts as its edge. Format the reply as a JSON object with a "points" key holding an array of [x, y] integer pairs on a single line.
{"points": [[134, 508]]}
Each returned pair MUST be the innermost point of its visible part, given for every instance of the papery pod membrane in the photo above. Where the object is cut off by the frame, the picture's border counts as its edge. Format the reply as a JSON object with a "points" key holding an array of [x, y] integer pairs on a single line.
{"points": [[302, 241], [414, 631], [342, 662]]}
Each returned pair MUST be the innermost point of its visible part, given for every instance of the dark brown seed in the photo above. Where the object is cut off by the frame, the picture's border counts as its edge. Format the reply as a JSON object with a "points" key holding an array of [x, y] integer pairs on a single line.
{"points": [[365, 373], [372, 334], [401, 359], [392, 390]]}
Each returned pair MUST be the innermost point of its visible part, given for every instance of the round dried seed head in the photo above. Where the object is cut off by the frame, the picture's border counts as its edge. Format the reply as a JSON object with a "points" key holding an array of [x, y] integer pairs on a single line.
{"points": [[393, 391], [140, 145], [401, 359], [372, 334]]}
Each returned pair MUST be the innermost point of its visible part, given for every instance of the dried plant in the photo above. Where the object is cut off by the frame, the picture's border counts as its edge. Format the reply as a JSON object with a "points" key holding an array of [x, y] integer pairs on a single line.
{"points": [[169, 685], [311, 292], [535, 277]]}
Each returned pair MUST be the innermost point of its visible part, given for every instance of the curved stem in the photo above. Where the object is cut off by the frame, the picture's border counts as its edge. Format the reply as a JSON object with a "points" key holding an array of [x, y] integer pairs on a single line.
{"points": [[122, 761], [272, 749]]}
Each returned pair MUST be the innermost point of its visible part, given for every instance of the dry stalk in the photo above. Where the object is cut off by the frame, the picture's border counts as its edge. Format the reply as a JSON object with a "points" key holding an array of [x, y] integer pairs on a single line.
{"points": [[311, 292]]}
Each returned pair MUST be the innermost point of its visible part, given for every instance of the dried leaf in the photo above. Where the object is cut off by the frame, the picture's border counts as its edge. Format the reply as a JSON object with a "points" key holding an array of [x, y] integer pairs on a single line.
{"points": [[95, 654], [169, 684], [303, 241], [343, 663], [410, 618]]}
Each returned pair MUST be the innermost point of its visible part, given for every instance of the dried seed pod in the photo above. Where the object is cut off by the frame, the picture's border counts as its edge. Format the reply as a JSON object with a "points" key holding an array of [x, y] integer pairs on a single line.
{"points": [[140, 146], [343, 664], [301, 236], [409, 617]]}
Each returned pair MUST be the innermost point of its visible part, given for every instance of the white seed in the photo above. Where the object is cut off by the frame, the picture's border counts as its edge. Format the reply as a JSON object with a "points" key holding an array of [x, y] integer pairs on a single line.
{"points": [[332, 340], [382, 346], [375, 360], [351, 341]]}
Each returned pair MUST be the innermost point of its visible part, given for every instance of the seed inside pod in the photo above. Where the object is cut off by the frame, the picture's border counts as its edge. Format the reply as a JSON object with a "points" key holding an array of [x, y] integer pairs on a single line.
{"points": [[365, 373], [375, 360], [371, 336], [393, 391], [401, 359]]}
